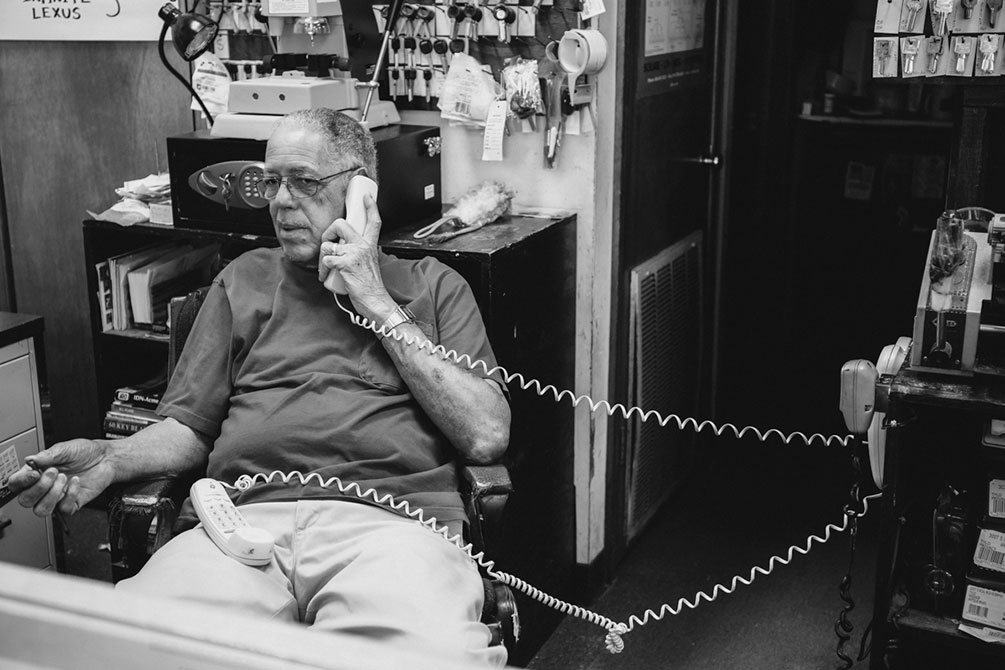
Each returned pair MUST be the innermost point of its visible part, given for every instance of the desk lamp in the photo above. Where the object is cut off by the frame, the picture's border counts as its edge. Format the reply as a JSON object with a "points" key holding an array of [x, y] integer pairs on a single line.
{"points": [[192, 36]]}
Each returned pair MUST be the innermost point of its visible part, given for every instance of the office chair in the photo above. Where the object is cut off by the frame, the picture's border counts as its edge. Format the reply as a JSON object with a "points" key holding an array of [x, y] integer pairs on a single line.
{"points": [[143, 515]]}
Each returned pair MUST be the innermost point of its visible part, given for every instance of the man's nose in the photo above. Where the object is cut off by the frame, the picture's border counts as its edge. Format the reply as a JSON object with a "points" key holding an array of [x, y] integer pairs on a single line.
{"points": [[284, 196]]}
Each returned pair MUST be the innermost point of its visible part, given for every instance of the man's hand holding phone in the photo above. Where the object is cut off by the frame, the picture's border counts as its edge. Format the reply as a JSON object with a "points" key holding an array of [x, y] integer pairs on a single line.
{"points": [[349, 259]]}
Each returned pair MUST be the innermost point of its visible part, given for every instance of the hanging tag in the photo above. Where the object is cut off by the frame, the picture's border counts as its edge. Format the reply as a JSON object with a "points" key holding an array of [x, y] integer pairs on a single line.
{"points": [[885, 53], [573, 123], [987, 62], [592, 8], [961, 56], [888, 16], [912, 17], [495, 129], [211, 81]]}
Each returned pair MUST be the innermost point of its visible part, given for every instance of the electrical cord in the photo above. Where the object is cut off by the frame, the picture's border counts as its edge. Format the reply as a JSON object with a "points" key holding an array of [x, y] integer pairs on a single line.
{"points": [[615, 630], [544, 389]]}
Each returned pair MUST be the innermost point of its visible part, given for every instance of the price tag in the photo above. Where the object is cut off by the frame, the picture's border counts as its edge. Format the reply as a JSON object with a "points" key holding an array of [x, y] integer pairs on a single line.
{"points": [[593, 8], [990, 552], [996, 499], [495, 129]]}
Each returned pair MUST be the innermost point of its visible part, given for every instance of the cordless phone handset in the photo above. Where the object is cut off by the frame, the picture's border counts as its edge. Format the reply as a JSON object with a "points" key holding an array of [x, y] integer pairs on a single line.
{"points": [[227, 527], [355, 216]]}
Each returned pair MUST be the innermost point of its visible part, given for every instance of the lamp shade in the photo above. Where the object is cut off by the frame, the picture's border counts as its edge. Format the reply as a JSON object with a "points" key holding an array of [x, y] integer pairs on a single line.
{"points": [[192, 33]]}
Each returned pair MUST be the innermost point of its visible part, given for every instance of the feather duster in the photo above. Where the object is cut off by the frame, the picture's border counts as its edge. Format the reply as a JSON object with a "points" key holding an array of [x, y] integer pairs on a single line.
{"points": [[478, 207]]}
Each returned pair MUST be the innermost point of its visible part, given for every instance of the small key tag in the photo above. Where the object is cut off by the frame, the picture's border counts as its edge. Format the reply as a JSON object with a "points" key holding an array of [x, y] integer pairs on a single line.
{"points": [[912, 17], [943, 16], [888, 16], [988, 60], [936, 56], [884, 57], [962, 56], [912, 56], [962, 23]]}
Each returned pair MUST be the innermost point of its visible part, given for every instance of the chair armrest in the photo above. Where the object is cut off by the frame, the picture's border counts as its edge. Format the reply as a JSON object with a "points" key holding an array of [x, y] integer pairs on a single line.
{"points": [[485, 490], [133, 507]]}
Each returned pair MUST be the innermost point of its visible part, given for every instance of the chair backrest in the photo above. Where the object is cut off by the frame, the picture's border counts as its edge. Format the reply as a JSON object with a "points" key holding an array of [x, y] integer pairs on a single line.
{"points": [[183, 311]]}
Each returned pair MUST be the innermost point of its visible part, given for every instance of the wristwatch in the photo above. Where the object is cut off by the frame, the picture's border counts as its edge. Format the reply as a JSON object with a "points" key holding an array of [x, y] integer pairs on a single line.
{"points": [[400, 315]]}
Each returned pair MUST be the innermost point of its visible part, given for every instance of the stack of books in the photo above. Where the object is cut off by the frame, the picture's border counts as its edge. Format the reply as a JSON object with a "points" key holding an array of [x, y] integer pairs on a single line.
{"points": [[133, 408], [134, 289]]}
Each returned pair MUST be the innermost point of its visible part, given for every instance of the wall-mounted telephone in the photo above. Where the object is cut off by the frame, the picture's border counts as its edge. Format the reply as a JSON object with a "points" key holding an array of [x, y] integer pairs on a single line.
{"points": [[227, 527], [858, 400], [231, 184], [355, 216]]}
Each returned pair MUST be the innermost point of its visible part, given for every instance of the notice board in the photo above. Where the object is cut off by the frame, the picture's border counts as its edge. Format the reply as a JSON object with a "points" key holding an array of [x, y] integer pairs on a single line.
{"points": [[81, 20]]}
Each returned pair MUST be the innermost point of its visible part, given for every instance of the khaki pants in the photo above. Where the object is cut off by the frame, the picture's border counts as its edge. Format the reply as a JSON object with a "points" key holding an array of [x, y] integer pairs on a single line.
{"points": [[338, 566]]}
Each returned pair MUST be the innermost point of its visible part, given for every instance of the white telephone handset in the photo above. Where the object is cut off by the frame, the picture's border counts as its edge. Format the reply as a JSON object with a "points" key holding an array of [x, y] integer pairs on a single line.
{"points": [[355, 216], [227, 527], [858, 401]]}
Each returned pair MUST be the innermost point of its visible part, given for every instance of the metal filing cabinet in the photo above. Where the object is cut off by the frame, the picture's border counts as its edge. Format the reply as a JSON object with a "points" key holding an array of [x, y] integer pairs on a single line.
{"points": [[25, 539]]}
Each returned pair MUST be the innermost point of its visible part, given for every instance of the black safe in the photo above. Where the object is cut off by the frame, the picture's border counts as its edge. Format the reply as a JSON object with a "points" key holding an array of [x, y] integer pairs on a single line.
{"points": [[408, 167]]}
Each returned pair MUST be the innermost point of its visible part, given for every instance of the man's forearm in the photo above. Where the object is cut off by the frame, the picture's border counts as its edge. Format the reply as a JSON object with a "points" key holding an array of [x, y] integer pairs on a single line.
{"points": [[161, 449], [471, 411]]}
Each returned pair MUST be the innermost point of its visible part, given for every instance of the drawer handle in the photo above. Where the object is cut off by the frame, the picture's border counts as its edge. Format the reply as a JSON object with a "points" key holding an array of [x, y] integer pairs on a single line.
{"points": [[4, 522]]}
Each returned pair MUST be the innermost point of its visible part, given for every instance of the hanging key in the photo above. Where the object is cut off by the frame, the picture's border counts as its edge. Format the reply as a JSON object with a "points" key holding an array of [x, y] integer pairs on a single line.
{"points": [[911, 47], [456, 14], [395, 51], [473, 13], [426, 48], [442, 47], [935, 47], [968, 8], [427, 75], [394, 82], [994, 6], [505, 17], [407, 16], [882, 55], [409, 45], [989, 50], [913, 9], [458, 45], [961, 47], [942, 9], [410, 75], [424, 14]]}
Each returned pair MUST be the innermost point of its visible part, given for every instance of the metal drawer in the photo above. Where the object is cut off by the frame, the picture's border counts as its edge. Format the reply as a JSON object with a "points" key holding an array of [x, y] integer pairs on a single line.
{"points": [[17, 398], [27, 539]]}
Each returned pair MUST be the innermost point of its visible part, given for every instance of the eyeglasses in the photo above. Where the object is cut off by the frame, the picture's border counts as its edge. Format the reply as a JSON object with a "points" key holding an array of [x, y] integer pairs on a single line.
{"points": [[299, 186]]}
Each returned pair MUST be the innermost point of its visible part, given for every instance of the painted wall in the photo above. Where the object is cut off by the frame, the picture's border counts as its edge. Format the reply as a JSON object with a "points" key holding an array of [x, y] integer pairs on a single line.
{"points": [[583, 182]]}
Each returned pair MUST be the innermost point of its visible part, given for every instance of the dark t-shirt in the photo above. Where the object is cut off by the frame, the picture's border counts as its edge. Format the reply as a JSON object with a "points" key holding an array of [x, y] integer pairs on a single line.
{"points": [[278, 375]]}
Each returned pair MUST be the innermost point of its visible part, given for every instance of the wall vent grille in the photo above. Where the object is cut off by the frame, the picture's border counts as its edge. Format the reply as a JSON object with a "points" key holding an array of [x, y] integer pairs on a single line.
{"points": [[665, 337]]}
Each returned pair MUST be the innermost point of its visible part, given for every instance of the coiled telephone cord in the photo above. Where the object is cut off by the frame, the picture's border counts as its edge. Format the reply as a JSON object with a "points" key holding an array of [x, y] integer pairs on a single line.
{"points": [[615, 630], [558, 394]]}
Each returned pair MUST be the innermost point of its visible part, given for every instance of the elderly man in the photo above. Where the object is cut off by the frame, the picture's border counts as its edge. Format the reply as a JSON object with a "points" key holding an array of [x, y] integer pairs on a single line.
{"points": [[276, 376]]}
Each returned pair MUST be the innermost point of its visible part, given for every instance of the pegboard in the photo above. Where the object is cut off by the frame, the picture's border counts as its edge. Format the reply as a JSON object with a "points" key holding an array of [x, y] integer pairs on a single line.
{"points": [[243, 43], [534, 27]]}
